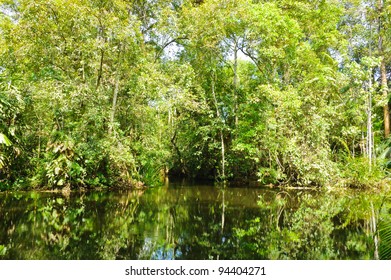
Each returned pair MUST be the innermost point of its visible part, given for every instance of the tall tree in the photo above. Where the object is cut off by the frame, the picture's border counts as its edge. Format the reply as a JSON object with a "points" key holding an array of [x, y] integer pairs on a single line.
{"points": [[383, 73]]}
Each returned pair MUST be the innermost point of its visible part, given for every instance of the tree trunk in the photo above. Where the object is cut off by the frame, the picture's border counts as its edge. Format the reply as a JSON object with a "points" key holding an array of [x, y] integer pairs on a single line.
{"points": [[235, 83], [114, 105], [221, 130], [369, 126], [100, 70], [384, 87]]}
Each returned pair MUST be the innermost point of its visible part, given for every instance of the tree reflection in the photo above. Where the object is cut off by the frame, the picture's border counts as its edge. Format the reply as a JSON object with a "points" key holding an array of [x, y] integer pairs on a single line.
{"points": [[313, 225], [195, 223]]}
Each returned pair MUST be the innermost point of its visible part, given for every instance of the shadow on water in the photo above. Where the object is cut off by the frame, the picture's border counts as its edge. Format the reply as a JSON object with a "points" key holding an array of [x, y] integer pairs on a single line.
{"points": [[192, 222]]}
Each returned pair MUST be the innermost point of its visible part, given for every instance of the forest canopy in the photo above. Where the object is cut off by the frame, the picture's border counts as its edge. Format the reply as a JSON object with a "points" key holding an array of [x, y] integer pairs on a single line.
{"points": [[100, 93]]}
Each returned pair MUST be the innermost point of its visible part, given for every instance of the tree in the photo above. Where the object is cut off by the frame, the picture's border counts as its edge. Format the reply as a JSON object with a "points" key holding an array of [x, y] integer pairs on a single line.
{"points": [[383, 75]]}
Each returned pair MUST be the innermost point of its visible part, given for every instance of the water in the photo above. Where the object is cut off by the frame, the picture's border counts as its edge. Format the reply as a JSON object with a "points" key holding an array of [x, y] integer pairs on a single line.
{"points": [[190, 222]]}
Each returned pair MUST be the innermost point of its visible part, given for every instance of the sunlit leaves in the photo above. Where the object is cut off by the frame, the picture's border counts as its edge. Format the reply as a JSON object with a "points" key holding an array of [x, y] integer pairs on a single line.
{"points": [[4, 140], [253, 87]]}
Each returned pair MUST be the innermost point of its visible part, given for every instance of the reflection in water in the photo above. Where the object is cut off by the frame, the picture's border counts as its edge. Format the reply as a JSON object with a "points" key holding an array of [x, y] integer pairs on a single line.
{"points": [[190, 222]]}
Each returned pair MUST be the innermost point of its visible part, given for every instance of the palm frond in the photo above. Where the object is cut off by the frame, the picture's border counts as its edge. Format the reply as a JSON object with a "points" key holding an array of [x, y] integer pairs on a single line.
{"points": [[385, 239]]}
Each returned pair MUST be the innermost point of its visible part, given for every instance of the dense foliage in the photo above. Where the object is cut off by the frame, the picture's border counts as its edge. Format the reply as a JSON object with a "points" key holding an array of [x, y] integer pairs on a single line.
{"points": [[101, 93]]}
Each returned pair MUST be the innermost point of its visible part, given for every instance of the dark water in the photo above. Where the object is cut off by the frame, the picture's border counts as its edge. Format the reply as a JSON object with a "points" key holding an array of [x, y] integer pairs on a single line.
{"points": [[190, 222]]}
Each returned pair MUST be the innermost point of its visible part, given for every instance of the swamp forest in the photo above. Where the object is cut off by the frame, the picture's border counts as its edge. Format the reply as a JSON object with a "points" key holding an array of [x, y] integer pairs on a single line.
{"points": [[195, 129]]}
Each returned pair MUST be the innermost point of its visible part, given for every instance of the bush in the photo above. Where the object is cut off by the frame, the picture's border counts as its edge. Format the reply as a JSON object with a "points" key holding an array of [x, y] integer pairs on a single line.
{"points": [[357, 173]]}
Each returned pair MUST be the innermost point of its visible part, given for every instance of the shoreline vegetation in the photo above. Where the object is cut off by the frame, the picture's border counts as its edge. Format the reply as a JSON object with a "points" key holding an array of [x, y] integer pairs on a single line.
{"points": [[383, 186], [121, 93]]}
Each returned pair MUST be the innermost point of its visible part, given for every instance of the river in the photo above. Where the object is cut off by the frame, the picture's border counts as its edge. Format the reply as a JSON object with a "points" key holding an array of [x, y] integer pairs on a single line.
{"points": [[183, 221]]}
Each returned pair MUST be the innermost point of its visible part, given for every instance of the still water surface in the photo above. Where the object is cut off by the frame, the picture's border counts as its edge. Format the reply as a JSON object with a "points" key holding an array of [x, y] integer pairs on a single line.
{"points": [[189, 222]]}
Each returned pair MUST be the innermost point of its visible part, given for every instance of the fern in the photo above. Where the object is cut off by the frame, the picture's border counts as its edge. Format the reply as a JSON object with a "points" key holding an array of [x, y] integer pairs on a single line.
{"points": [[345, 145], [385, 233], [385, 240]]}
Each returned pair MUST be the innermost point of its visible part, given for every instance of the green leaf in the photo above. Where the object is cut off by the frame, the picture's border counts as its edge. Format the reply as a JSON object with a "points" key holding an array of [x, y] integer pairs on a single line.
{"points": [[4, 140]]}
